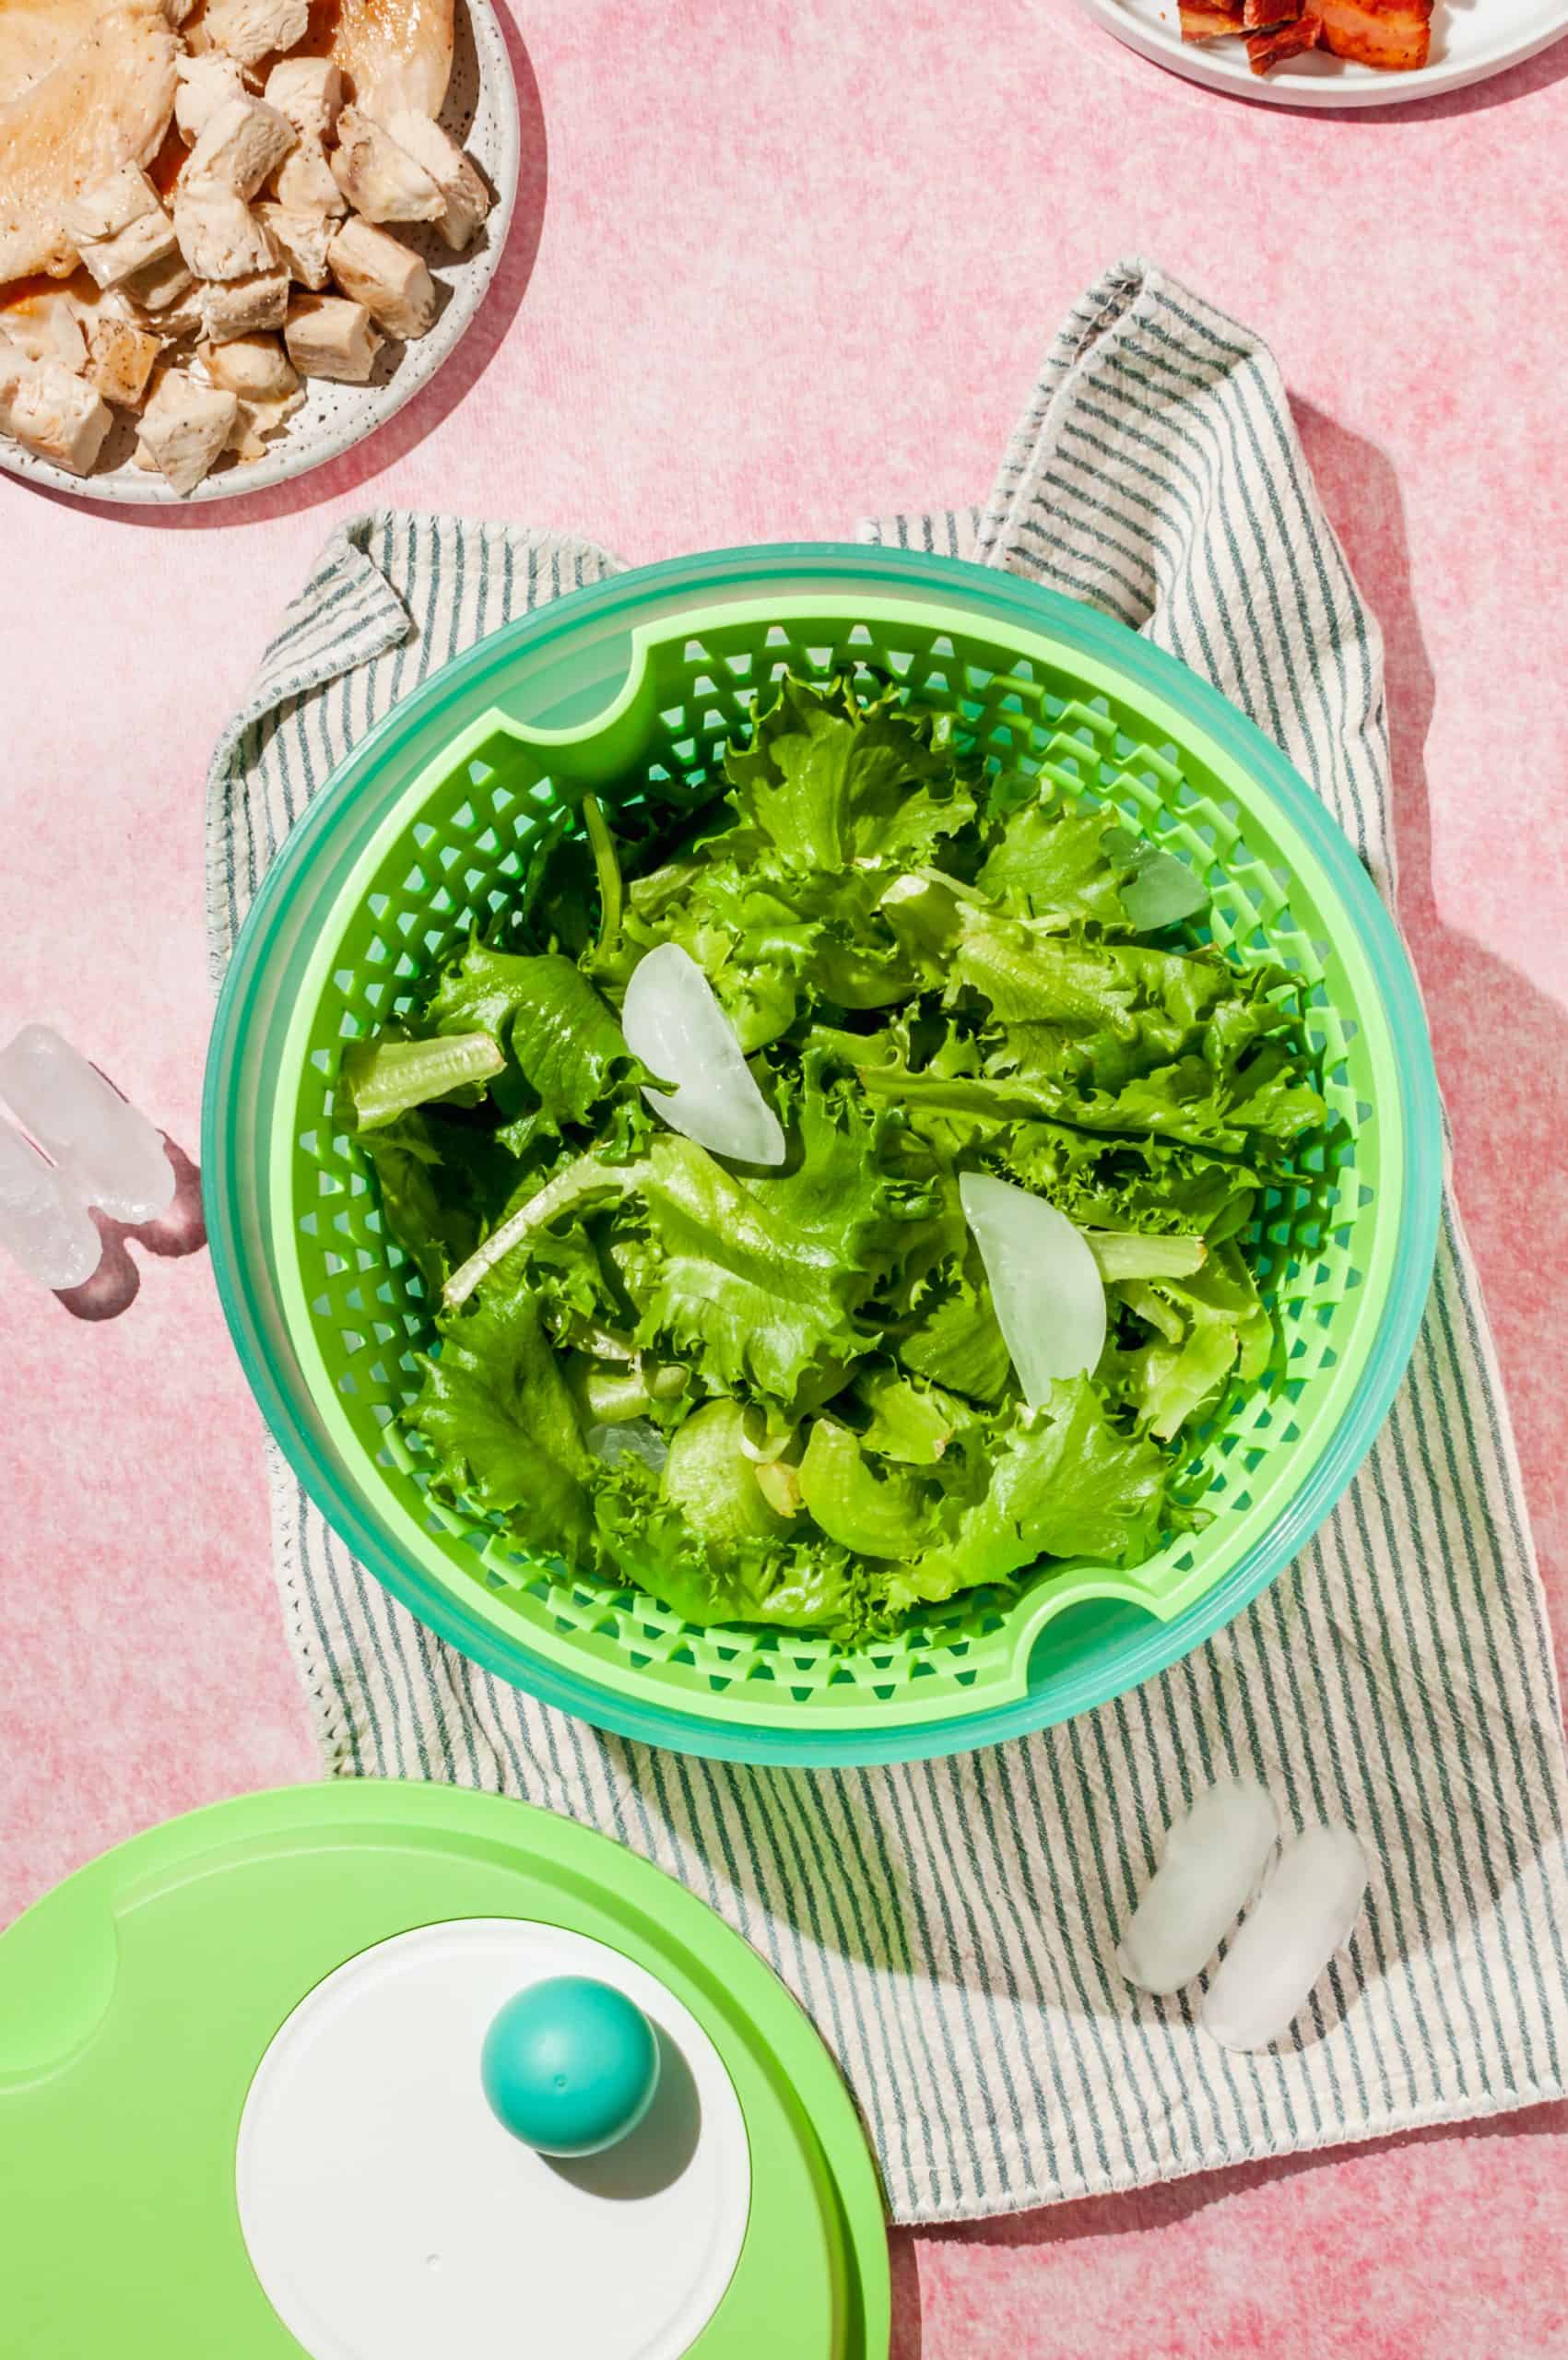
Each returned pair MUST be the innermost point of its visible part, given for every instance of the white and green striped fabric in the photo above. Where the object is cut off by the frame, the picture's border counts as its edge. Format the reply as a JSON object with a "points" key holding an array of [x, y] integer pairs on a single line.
{"points": [[951, 1926]]}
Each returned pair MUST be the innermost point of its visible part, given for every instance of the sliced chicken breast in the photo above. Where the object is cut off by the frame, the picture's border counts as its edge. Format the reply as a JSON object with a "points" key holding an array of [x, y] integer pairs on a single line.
{"points": [[36, 34], [107, 103]]}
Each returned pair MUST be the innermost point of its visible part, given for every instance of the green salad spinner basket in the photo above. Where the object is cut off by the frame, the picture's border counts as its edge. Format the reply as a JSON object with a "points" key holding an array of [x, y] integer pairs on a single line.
{"points": [[423, 835]]}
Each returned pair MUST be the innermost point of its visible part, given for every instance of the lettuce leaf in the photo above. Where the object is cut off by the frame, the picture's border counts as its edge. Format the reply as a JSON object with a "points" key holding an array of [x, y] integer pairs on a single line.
{"points": [[499, 1424], [827, 781], [1062, 1484], [548, 1016]]}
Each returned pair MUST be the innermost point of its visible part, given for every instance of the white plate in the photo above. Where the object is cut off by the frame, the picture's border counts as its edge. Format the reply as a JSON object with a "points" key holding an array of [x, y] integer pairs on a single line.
{"points": [[1470, 41], [481, 114]]}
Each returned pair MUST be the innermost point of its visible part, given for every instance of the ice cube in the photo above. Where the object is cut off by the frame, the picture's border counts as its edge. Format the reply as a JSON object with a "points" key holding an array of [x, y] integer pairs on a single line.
{"points": [[672, 1021], [1213, 1860], [1045, 1283], [107, 1150], [44, 1223], [1304, 1915]]}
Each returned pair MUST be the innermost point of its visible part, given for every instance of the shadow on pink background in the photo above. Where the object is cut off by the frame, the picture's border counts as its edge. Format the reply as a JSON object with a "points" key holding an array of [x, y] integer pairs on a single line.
{"points": [[798, 264], [117, 1280]]}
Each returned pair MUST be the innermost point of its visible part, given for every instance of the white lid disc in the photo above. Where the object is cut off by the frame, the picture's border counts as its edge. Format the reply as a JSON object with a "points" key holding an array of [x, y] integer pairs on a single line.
{"points": [[389, 2216]]}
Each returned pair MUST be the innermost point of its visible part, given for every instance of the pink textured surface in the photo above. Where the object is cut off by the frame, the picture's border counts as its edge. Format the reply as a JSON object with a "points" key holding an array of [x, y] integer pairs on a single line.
{"points": [[779, 268]]}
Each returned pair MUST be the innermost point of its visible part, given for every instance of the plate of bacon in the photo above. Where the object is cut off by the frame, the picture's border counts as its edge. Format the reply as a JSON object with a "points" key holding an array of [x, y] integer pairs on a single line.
{"points": [[1334, 53]]}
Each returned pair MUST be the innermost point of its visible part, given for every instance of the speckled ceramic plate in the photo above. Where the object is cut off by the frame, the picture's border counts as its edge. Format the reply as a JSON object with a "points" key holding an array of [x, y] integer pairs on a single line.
{"points": [[481, 113], [1470, 41]]}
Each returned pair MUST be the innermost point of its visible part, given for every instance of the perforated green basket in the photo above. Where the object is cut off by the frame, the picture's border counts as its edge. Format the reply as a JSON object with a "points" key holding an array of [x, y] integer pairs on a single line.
{"points": [[425, 832]]}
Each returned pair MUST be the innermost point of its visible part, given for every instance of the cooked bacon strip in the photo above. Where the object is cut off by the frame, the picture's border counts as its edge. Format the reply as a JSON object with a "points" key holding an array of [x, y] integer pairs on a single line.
{"points": [[1394, 35], [1273, 47], [1207, 20], [1263, 16]]}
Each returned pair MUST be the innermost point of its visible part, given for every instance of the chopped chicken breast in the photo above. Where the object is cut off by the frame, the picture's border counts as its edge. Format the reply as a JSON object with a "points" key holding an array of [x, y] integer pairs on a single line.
{"points": [[119, 227], [309, 91], [185, 427], [255, 420], [45, 324], [106, 103], [121, 360], [205, 83], [397, 54], [57, 416], [380, 272], [166, 291], [218, 234], [14, 367], [379, 178], [251, 29], [329, 336], [256, 366], [244, 141], [304, 180], [302, 240], [466, 199], [112, 204], [246, 306]]}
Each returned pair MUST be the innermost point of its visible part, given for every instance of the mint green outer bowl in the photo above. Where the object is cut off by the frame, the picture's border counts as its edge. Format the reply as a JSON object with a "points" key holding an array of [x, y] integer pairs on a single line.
{"points": [[570, 688]]}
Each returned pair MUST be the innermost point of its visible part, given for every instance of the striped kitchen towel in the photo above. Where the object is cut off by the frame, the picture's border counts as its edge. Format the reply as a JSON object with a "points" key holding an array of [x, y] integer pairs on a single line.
{"points": [[951, 1926]]}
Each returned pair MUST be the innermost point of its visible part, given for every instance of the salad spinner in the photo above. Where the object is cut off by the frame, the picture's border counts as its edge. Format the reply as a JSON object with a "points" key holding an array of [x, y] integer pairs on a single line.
{"points": [[248, 2103], [422, 835]]}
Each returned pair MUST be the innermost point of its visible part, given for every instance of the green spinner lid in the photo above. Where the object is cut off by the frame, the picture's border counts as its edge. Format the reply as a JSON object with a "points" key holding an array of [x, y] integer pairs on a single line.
{"points": [[242, 2107]]}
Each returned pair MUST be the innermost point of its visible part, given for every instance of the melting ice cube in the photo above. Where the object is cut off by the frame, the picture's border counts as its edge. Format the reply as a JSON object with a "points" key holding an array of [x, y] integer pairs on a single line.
{"points": [[1304, 1915], [1213, 1860], [1045, 1283], [672, 1021], [107, 1150], [44, 1223]]}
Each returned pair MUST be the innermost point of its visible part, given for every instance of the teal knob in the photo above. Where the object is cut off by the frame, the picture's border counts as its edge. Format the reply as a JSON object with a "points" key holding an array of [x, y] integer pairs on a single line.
{"points": [[570, 2066]]}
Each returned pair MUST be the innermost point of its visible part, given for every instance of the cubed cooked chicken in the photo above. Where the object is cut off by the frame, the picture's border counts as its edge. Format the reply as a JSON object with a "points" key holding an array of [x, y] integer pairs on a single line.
{"points": [[110, 204], [161, 287], [256, 366], [302, 240], [380, 179], [251, 29], [218, 234], [44, 323], [119, 226], [395, 53], [329, 336], [205, 83], [304, 180], [244, 141], [14, 367], [121, 358], [377, 270], [255, 420], [466, 199], [309, 91], [236, 307], [185, 427], [56, 414]]}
